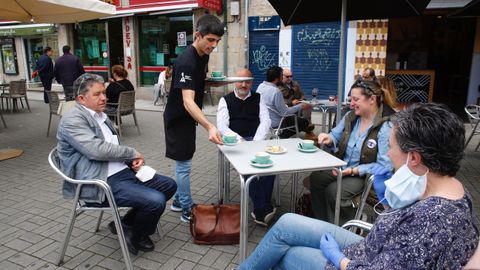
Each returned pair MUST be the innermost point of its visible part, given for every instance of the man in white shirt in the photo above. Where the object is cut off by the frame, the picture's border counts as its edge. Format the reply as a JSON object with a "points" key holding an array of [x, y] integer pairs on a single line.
{"points": [[88, 148], [245, 114]]}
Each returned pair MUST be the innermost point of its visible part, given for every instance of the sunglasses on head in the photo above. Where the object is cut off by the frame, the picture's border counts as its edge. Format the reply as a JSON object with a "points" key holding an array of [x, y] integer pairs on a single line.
{"points": [[86, 77]]}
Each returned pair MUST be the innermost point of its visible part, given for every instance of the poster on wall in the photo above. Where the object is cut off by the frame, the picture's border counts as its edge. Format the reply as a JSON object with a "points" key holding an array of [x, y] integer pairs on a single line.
{"points": [[9, 56], [182, 39]]}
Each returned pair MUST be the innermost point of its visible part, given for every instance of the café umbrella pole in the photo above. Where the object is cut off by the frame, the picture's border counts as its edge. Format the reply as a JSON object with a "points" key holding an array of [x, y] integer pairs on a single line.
{"points": [[341, 63]]}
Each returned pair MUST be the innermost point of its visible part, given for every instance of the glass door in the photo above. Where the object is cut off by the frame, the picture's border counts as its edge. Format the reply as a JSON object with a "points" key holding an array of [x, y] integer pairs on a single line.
{"points": [[34, 47]]}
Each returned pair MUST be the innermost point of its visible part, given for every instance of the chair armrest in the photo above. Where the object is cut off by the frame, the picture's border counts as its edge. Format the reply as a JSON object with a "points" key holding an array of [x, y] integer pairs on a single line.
{"points": [[359, 224]]}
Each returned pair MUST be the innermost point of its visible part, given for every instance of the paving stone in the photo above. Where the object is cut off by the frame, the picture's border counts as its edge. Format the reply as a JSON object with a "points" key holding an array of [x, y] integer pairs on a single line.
{"points": [[33, 213]]}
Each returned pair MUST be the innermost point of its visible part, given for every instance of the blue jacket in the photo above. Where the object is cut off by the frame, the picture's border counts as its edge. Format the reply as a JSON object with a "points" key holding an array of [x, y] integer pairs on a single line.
{"points": [[67, 69], [45, 67], [84, 153]]}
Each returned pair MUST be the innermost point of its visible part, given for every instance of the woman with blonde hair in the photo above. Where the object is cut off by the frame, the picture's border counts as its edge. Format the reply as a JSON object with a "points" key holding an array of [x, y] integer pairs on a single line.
{"points": [[361, 140], [390, 93]]}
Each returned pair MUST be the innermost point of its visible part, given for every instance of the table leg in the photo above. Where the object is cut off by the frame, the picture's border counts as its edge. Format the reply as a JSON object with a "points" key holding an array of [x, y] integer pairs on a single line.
{"points": [[221, 179], [244, 185], [324, 120], [226, 180], [339, 194], [293, 197]]}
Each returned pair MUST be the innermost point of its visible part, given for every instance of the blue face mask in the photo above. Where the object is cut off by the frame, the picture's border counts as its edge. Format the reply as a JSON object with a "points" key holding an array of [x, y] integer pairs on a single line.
{"points": [[405, 187]]}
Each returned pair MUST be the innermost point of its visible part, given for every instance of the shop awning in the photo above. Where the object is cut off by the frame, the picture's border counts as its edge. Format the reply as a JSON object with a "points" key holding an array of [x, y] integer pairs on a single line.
{"points": [[157, 6], [26, 30], [54, 11]]}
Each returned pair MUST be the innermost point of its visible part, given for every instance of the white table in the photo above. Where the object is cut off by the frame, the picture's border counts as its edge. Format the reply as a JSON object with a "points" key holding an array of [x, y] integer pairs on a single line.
{"points": [[293, 161]]}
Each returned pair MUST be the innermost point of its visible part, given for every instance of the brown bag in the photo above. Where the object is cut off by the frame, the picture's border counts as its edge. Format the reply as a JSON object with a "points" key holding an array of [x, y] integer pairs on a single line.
{"points": [[215, 224], [304, 205]]}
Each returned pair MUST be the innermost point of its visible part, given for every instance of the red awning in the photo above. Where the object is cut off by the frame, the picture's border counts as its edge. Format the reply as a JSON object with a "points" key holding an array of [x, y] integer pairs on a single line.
{"points": [[148, 6]]}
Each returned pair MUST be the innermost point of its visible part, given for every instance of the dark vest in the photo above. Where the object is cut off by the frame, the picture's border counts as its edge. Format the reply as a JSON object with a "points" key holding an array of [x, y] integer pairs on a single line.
{"points": [[367, 155], [244, 114]]}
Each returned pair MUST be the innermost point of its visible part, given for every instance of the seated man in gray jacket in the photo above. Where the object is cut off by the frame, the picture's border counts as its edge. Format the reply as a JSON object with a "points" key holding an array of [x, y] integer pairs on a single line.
{"points": [[88, 148]]}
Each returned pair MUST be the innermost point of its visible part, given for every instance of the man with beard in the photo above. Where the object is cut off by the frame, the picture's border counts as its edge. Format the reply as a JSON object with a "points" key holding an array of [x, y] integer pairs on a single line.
{"points": [[277, 108], [245, 114]]}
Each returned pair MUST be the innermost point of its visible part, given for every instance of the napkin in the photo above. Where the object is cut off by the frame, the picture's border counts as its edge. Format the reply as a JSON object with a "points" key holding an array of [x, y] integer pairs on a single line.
{"points": [[145, 173]]}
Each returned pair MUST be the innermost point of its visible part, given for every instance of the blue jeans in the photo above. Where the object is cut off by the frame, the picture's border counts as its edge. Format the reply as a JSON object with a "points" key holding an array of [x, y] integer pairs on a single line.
{"points": [[182, 173], [294, 243], [146, 198]]}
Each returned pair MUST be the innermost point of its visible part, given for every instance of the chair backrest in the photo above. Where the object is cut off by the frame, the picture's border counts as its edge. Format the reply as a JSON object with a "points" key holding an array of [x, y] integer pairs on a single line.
{"points": [[473, 112], [54, 161], [278, 130], [126, 102], [53, 101], [17, 88], [168, 84]]}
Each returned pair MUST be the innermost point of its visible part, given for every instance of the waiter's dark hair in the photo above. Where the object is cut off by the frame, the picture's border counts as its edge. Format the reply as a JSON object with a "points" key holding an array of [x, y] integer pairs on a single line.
{"points": [[209, 24]]}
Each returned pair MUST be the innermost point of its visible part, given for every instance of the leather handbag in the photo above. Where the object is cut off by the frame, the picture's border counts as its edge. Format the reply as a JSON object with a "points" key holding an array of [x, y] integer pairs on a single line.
{"points": [[215, 224]]}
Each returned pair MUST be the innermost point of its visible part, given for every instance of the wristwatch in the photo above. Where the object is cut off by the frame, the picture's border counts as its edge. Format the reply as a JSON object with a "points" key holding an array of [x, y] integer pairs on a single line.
{"points": [[351, 169]]}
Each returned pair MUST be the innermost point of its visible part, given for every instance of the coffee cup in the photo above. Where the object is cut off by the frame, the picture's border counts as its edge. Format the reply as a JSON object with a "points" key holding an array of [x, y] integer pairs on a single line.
{"points": [[308, 144], [217, 74], [262, 157], [230, 137]]}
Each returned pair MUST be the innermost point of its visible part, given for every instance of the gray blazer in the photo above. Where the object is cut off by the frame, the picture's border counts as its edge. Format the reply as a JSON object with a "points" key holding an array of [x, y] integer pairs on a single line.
{"points": [[84, 153]]}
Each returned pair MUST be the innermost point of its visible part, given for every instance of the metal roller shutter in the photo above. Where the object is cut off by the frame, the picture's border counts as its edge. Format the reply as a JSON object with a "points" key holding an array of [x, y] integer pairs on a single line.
{"points": [[315, 49], [263, 46]]}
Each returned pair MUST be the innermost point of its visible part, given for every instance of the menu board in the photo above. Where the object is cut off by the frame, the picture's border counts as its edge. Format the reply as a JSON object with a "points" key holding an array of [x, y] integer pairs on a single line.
{"points": [[413, 85]]}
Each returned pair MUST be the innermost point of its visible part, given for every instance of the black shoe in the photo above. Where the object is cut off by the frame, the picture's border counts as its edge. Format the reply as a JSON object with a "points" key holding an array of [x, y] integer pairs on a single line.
{"points": [[144, 243], [111, 227], [130, 239], [263, 216]]}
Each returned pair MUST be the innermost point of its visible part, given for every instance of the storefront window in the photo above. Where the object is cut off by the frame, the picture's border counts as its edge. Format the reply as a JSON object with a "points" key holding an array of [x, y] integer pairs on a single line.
{"points": [[91, 46], [9, 56], [162, 38]]}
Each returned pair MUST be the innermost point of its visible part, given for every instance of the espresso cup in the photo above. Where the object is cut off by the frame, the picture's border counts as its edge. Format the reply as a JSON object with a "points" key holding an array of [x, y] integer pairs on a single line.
{"points": [[308, 144], [230, 138], [217, 74], [262, 157]]}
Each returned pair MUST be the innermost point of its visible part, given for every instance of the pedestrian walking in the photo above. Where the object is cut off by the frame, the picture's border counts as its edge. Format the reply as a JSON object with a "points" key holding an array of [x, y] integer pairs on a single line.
{"points": [[45, 71], [67, 69]]}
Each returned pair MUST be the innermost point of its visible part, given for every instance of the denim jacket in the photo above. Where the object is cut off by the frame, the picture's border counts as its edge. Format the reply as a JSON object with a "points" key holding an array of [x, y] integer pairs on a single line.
{"points": [[84, 154]]}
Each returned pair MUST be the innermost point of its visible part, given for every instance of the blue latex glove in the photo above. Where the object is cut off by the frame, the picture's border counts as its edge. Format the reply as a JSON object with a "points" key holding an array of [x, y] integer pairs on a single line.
{"points": [[331, 250], [381, 174]]}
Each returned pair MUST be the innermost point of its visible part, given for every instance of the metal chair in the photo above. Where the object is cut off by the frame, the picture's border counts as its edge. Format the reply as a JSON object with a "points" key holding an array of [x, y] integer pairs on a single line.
{"points": [[473, 112], [79, 207], [125, 106], [17, 91], [167, 84], [54, 102], [277, 131], [367, 195], [3, 120]]}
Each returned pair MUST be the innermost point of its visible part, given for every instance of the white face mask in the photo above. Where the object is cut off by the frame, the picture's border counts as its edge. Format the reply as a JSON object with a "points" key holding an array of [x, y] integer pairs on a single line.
{"points": [[405, 187]]}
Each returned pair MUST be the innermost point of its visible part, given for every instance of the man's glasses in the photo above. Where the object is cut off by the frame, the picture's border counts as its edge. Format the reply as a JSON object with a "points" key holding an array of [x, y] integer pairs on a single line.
{"points": [[288, 76]]}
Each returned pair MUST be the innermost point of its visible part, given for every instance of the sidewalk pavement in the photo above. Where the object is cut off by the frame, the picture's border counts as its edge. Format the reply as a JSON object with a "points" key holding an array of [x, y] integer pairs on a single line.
{"points": [[33, 213]]}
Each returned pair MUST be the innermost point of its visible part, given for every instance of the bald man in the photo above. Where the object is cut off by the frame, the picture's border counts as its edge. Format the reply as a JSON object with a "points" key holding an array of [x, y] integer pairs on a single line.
{"points": [[246, 114]]}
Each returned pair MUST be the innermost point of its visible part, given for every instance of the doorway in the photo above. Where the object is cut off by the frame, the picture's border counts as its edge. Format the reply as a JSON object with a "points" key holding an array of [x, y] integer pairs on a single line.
{"points": [[115, 42], [436, 43], [34, 49]]}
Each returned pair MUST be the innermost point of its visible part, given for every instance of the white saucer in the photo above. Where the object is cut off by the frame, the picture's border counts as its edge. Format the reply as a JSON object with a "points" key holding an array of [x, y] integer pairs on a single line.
{"points": [[283, 150], [217, 78], [307, 150], [260, 165], [230, 144]]}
